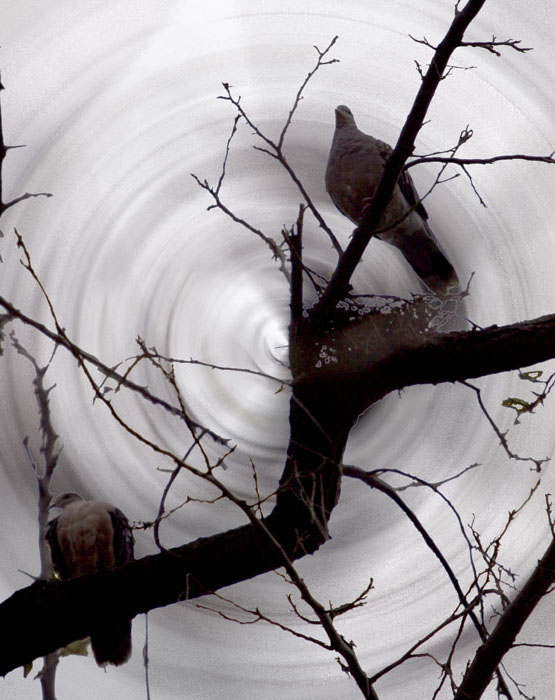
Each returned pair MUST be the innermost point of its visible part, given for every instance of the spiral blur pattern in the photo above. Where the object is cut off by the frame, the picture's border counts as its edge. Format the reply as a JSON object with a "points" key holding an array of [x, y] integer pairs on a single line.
{"points": [[117, 105]]}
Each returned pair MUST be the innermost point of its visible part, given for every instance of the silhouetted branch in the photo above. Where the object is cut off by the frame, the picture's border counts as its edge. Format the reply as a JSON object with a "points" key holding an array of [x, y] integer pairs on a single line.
{"points": [[43, 475], [339, 283], [275, 150], [490, 46], [480, 161], [503, 436], [501, 639], [295, 242], [299, 96], [61, 339], [493, 45], [3, 152], [215, 192], [467, 606]]}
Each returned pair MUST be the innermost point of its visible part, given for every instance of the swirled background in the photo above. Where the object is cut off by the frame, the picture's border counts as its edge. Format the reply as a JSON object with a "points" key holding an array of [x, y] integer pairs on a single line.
{"points": [[117, 105]]}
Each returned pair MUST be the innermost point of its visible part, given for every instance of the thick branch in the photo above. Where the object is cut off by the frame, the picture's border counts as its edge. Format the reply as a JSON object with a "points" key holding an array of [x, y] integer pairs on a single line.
{"points": [[44, 616], [411, 359], [451, 357], [47, 616], [364, 360]]}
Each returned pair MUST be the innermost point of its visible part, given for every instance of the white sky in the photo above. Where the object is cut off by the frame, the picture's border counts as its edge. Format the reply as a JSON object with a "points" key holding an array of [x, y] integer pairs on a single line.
{"points": [[116, 102]]}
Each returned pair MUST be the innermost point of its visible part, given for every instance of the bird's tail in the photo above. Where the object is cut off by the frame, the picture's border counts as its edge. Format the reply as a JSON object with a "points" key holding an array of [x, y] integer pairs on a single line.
{"points": [[423, 253], [111, 644]]}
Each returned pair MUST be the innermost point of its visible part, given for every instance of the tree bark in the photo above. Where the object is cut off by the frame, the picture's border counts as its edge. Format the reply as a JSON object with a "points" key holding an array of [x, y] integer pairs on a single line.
{"points": [[325, 404]]}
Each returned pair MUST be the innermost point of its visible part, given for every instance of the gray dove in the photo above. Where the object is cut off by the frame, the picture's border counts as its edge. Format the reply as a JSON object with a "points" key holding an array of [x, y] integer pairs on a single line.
{"points": [[355, 166], [88, 537]]}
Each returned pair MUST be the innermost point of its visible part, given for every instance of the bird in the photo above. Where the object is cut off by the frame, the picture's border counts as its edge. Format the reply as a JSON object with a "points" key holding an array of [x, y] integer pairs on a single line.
{"points": [[88, 537], [354, 169]]}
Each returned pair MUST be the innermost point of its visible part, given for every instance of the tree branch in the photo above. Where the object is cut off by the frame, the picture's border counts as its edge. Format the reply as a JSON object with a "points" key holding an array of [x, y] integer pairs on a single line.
{"points": [[467, 606], [490, 46], [62, 340], [461, 355], [480, 161], [339, 283], [490, 654], [3, 152]]}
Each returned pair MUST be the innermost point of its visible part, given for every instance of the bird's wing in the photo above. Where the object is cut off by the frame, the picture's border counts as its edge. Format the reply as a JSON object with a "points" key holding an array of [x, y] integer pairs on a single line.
{"points": [[406, 184], [355, 166], [123, 537], [408, 189], [58, 559]]}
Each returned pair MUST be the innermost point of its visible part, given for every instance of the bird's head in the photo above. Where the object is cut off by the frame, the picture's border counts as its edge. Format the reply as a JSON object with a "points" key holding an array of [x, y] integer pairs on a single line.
{"points": [[344, 116], [61, 500]]}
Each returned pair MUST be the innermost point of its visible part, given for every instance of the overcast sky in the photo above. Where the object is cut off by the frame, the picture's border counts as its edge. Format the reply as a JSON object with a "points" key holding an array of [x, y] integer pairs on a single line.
{"points": [[117, 104]]}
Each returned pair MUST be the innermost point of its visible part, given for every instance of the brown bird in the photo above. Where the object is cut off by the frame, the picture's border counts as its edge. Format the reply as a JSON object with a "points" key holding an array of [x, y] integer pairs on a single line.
{"points": [[87, 537], [355, 167]]}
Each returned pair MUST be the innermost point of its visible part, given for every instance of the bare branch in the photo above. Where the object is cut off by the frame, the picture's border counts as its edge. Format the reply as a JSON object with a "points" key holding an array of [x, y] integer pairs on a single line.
{"points": [[295, 242], [490, 552], [423, 41], [501, 639], [374, 482], [462, 163], [503, 436], [480, 161], [299, 96], [258, 616], [358, 602], [492, 45], [3, 152], [152, 353], [410, 653], [61, 338], [28, 195], [339, 283], [337, 641], [274, 247], [43, 476], [275, 150], [437, 484], [377, 483], [161, 507], [226, 156], [549, 511]]}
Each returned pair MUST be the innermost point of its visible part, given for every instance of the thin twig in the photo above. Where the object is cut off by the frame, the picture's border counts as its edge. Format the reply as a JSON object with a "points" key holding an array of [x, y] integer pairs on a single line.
{"points": [[61, 339], [299, 95], [490, 46], [480, 161], [503, 436], [275, 150]]}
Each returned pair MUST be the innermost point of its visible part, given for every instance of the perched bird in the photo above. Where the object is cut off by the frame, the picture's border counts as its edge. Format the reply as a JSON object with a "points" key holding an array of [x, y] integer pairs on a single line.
{"points": [[355, 166], [88, 537]]}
